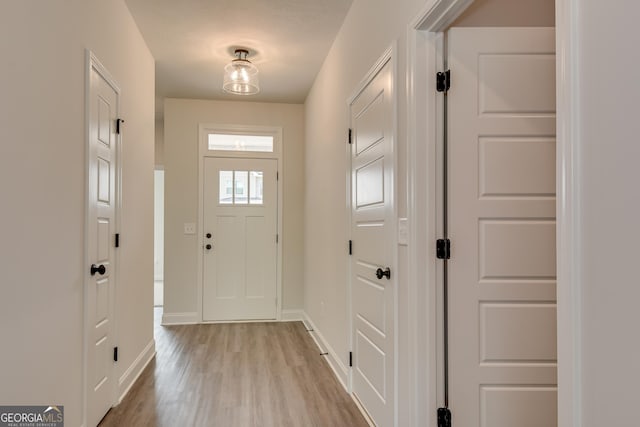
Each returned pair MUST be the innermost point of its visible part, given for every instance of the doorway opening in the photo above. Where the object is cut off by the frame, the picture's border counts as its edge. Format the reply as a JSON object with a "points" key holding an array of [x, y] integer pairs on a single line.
{"points": [[158, 246], [102, 225], [373, 282], [489, 153], [240, 223]]}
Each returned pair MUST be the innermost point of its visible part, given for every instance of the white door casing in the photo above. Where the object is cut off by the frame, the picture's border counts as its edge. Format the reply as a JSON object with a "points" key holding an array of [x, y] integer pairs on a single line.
{"points": [[373, 299], [102, 204], [501, 190], [240, 267], [158, 224]]}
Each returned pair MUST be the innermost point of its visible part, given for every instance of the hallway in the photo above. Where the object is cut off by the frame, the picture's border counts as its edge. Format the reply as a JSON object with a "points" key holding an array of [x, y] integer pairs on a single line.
{"points": [[240, 374]]}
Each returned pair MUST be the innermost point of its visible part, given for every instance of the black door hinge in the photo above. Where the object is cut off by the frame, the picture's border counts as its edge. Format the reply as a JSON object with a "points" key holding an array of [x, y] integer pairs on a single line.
{"points": [[118, 122], [444, 417], [443, 81], [350, 135], [115, 354], [277, 176], [350, 247], [117, 242], [350, 358], [443, 249]]}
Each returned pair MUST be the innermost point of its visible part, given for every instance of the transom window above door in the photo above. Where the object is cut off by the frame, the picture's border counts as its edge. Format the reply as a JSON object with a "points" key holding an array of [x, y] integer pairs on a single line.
{"points": [[238, 142], [241, 187]]}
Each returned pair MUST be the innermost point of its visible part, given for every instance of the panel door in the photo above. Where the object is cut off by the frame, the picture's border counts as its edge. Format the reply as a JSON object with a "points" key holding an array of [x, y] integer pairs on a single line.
{"points": [[240, 232], [373, 298], [101, 381], [502, 272]]}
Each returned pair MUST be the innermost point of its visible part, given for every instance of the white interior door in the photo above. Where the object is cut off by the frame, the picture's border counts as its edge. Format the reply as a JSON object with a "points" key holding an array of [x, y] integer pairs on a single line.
{"points": [[372, 295], [240, 239], [101, 229], [502, 272]]}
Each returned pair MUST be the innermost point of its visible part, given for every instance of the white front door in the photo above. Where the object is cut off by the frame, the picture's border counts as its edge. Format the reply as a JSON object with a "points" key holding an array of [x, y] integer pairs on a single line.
{"points": [[373, 291], [240, 239], [502, 271], [101, 229]]}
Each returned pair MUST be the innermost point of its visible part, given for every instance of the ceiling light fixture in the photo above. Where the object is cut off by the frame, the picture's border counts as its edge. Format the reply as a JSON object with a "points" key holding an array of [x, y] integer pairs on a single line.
{"points": [[240, 75]]}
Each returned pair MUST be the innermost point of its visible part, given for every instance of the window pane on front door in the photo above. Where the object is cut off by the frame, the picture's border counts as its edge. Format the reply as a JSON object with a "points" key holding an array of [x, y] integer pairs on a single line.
{"points": [[226, 188], [255, 187], [241, 187]]}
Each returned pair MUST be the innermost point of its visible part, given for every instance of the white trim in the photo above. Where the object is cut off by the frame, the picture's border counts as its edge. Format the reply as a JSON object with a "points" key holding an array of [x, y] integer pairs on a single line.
{"points": [[91, 63], [363, 411], [131, 375], [424, 220], [424, 148], [204, 152], [386, 56], [292, 315], [191, 318], [393, 227], [437, 15], [340, 371], [436, 202], [568, 201], [336, 365], [347, 172]]}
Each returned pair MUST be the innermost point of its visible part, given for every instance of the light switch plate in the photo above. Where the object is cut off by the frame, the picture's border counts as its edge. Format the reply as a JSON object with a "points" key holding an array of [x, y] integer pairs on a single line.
{"points": [[403, 238], [189, 228]]}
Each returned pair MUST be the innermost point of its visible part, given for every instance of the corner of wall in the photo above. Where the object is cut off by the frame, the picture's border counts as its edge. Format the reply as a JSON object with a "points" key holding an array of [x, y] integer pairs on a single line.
{"points": [[339, 369], [134, 371], [190, 318]]}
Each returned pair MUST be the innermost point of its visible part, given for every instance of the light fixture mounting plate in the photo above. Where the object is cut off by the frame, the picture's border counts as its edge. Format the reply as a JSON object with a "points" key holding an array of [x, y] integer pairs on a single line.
{"points": [[251, 53]]}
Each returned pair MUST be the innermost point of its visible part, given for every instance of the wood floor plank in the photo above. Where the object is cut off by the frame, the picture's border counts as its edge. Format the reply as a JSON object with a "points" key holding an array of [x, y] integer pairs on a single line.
{"points": [[236, 375]]}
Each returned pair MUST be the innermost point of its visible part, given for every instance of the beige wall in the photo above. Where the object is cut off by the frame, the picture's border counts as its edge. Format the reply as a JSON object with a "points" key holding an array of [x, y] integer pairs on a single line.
{"points": [[508, 13], [182, 117], [42, 182], [370, 28]]}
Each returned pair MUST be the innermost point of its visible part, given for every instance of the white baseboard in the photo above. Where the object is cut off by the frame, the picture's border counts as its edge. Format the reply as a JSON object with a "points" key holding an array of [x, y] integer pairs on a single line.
{"points": [[179, 319], [192, 318], [341, 372], [363, 411], [292, 315], [133, 372]]}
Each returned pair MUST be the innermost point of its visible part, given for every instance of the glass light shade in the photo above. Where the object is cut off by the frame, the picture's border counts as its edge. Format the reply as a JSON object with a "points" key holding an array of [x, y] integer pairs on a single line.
{"points": [[241, 78]]}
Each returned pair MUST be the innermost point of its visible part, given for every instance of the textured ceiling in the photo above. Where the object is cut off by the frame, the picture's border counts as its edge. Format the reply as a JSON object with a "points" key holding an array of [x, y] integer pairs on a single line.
{"points": [[192, 41]]}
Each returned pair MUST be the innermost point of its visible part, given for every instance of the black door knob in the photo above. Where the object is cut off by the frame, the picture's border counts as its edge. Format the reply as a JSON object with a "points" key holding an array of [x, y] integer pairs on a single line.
{"points": [[208, 235], [98, 269], [382, 273], [208, 247]]}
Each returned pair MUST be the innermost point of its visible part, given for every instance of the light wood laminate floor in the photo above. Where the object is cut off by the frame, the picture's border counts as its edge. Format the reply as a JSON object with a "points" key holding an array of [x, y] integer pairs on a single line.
{"points": [[236, 375]]}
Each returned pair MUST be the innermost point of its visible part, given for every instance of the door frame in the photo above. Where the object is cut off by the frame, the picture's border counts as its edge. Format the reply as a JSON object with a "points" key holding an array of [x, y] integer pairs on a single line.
{"points": [[389, 56], [424, 58], [203, 152], [93, 63]]}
